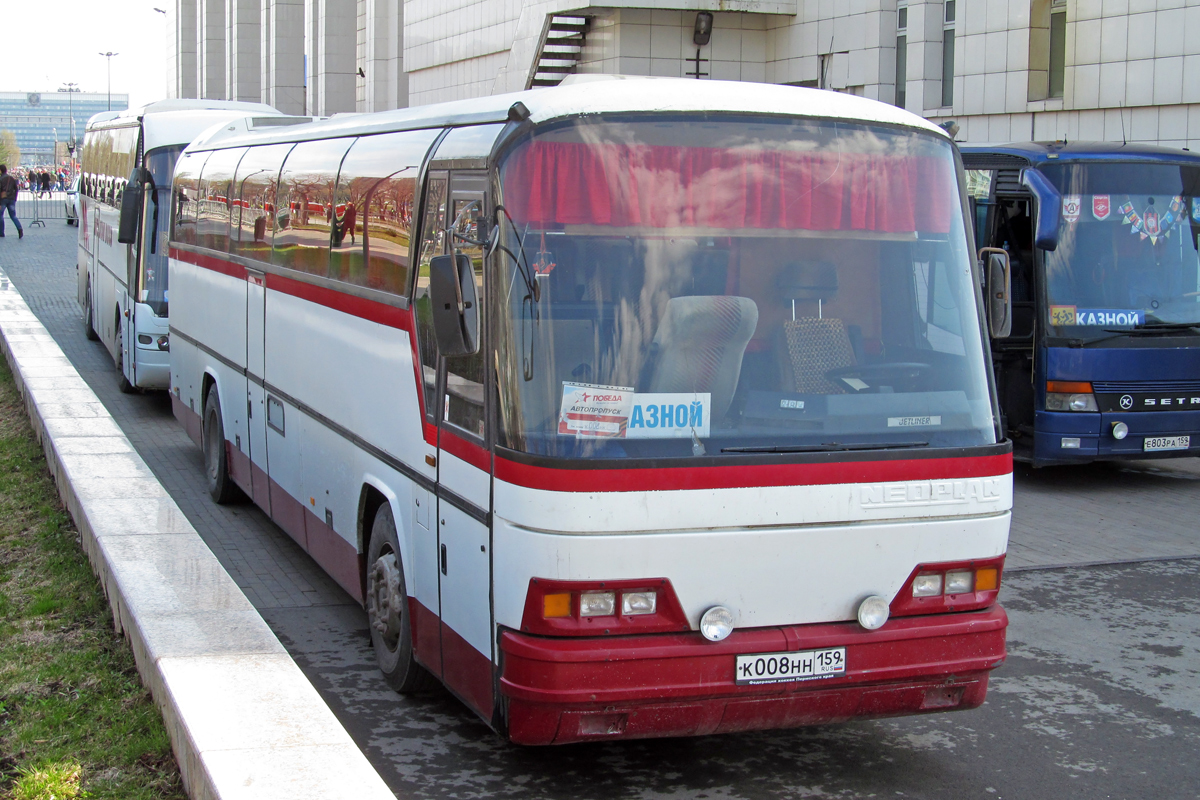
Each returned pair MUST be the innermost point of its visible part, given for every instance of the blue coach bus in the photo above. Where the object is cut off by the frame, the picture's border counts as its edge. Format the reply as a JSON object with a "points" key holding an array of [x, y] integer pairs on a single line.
{"points": [[1102, 360]]}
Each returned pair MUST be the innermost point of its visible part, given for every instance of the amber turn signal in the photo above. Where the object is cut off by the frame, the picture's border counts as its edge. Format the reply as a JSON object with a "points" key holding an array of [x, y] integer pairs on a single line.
{"points": [[986, 579], [556, 605], [1069, 387]]}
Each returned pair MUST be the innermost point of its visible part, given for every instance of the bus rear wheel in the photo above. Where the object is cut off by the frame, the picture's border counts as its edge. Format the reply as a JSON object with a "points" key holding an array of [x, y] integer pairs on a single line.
{"points": [[221, 487], [388, 610]]}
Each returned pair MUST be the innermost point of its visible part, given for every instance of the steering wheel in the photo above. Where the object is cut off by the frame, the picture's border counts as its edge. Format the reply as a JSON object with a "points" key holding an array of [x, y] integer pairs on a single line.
{"points": [[893, 370]]}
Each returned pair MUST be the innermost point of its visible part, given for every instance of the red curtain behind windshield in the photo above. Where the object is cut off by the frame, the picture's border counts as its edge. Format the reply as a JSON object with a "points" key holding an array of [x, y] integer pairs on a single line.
{"points": [[567, 183]]}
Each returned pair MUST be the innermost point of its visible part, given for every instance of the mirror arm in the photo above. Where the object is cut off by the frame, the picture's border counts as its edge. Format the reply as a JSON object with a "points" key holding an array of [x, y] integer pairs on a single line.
{"points": [[1049, 204]]}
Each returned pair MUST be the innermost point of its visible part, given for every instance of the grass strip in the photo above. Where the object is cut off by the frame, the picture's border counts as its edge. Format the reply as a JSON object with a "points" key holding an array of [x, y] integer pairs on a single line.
{"points": [[75, 720]]}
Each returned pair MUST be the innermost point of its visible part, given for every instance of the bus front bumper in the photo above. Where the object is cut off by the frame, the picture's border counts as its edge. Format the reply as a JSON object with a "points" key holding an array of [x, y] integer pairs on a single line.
{"points": [[1091, 438], [560, 690]]}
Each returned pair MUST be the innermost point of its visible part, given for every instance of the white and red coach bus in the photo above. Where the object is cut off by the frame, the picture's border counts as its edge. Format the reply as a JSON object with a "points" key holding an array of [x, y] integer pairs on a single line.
{"points": [[626, 408]]}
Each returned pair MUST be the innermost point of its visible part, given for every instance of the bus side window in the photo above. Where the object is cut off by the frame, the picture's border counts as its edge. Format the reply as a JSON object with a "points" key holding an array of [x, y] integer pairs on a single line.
{"points": [[465, 374], [187, 184], [254, 201], [305, 215], [433, 243], [216, 181], [373, 210]]}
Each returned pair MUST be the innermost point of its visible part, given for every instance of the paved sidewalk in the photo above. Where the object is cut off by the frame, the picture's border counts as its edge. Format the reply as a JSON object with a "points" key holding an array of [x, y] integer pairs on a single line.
{"points": [[242, 718]]}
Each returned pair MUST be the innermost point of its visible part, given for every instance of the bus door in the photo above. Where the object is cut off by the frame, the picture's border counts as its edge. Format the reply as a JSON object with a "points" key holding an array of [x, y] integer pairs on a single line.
{"points": [[1005, 219], [256, 396], [464, 486]]}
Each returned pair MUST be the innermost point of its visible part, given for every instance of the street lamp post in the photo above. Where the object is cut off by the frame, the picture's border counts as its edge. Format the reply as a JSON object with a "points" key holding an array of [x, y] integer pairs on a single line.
{"points": [[109, 55], [70, 90], [166, 49]]}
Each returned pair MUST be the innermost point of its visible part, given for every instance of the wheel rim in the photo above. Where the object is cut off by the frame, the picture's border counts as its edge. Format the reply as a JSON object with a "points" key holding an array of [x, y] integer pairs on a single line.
{"points": [[385, 602]]}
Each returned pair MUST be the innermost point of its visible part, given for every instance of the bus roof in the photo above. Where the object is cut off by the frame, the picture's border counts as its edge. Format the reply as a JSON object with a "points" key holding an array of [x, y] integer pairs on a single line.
{"points": [[130, 116], [585, 95], [1032, 153]]}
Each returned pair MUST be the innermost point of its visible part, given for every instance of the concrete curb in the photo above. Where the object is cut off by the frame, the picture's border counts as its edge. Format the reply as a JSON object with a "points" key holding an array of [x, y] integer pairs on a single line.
{"points": [[243, 720]]}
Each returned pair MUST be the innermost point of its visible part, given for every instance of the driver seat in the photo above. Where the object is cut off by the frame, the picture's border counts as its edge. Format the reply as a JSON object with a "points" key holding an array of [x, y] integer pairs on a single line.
{"points": [[817, 345]]}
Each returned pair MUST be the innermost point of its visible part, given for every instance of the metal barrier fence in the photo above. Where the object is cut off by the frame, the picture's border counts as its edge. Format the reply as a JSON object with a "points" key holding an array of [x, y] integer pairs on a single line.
{"points": [[34, 208]]}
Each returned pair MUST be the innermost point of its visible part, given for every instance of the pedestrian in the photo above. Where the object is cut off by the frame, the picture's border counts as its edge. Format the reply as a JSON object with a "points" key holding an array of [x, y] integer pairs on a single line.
{"points": [[8, 200]]}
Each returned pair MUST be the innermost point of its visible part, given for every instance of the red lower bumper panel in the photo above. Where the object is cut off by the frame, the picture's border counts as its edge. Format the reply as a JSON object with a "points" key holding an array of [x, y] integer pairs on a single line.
{"points": [[560, 690]]}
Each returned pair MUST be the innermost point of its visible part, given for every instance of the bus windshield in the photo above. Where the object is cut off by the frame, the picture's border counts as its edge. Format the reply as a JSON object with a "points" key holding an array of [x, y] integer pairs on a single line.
{"points": [[1127, 253], [156, 223], [721, 285]]}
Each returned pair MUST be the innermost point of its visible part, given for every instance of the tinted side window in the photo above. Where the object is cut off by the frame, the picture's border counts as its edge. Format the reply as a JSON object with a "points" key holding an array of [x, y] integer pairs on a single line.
{"points": [[373, 210], [216, 182], [254, 207], [187, 198], [306, 205], [433, 238]]}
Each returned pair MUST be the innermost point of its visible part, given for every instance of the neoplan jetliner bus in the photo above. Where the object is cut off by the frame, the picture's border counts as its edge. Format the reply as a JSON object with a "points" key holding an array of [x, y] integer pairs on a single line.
{"points": [[123, 273], [627, 408], [1104, 357]]}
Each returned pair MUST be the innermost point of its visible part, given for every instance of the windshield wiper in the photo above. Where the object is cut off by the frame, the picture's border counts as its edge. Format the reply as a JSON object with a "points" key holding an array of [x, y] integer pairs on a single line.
{"points": [[822, 448], [1151, 328]]}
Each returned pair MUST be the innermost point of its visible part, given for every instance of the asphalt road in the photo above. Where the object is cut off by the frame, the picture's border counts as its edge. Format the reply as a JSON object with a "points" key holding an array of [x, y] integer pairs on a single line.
{"points": [[1099, 697]]}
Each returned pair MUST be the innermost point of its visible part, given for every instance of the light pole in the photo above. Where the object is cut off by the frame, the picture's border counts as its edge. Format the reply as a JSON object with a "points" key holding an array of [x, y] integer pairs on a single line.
{"points": [[70, 90], [109, 55], [166, 54]]}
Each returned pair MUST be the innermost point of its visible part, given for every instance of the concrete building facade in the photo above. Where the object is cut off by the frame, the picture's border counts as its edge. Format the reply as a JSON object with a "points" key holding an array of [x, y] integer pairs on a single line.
{"points": [[1000, 69]]}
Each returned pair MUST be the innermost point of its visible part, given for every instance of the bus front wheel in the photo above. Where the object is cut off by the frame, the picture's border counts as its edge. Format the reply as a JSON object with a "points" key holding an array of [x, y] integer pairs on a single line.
{"points": [[221, 487], [388, 609], [122, 381], [88, 328]]}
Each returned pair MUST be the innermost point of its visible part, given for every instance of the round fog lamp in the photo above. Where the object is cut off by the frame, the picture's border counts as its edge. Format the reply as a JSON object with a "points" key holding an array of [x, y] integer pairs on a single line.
{"points": [[1120, 430], [873, 612], [717, 623]]}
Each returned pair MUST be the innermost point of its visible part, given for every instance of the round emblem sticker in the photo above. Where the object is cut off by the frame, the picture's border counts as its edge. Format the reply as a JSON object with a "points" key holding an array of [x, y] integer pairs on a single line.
{"points": [[1126, 401]]}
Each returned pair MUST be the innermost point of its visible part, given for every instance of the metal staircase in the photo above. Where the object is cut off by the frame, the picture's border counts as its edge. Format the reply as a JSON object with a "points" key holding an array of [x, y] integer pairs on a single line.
{"points": [[561, 50]]}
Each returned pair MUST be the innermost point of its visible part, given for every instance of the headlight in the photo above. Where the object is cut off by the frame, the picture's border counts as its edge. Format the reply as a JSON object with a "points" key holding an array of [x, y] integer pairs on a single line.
{"points": [[928, 584], [873, 612], [633, 603], [959, 582], [717, 623], [1070, 396], [597, 604]]}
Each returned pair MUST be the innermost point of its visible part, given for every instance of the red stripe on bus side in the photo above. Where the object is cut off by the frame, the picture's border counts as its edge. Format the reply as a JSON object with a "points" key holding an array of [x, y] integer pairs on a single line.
{"points": [[469, 452], [346, 303], [360, 307], [210, 262], [735, 477]]}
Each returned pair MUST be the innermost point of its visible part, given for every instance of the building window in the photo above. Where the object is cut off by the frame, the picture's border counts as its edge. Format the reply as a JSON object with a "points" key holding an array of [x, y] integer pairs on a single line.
{"points": [[901, 55], [948, 55], [1058, 46]]}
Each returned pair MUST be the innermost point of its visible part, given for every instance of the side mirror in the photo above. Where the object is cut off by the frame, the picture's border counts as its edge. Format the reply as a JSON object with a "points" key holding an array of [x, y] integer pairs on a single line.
{"points": [[998, 289], [455, 306], [131, 205], [1049, 203]]}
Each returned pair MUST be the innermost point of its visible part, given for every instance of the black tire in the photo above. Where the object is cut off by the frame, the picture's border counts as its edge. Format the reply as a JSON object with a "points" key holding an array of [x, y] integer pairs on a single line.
{"points": [[88, 328], [122, 382], [221, 487], [387, 609]]}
